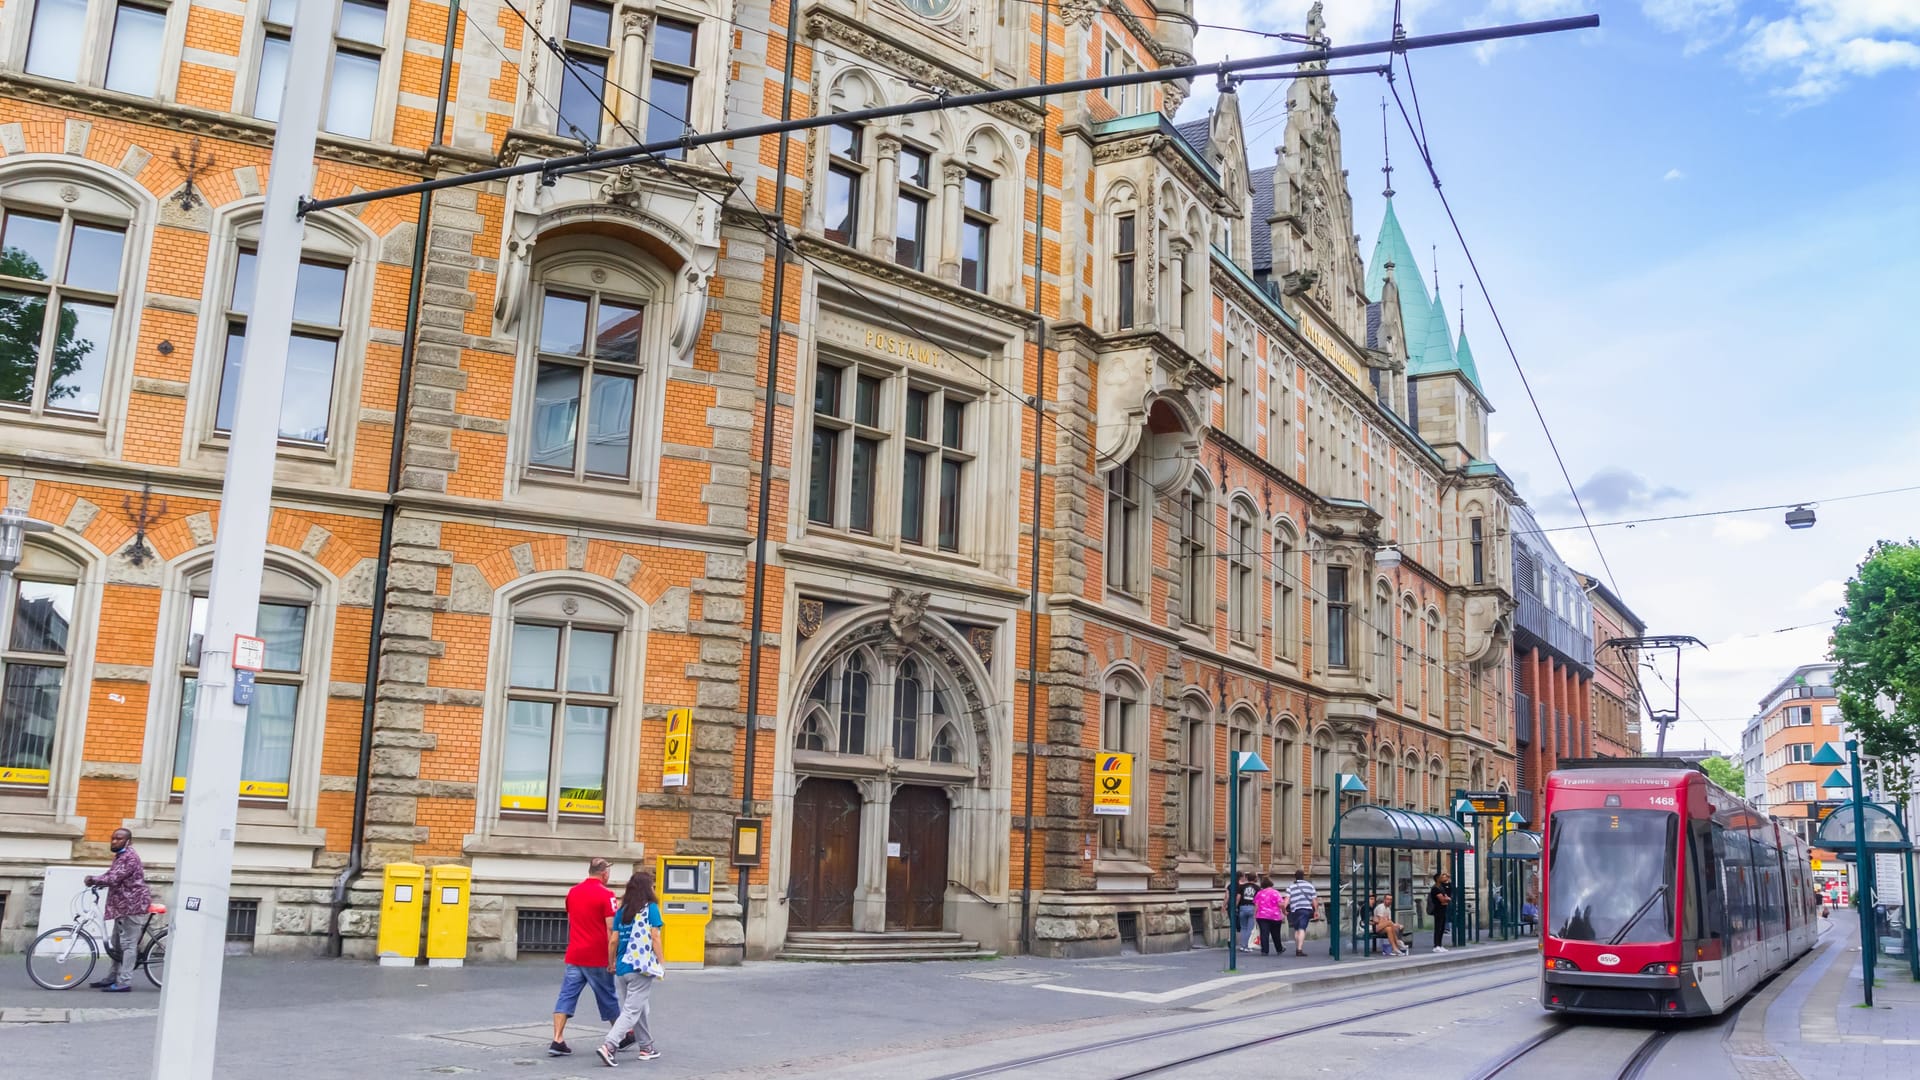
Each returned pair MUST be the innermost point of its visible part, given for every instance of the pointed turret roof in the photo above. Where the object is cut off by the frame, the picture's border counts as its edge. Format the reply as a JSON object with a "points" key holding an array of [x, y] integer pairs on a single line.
{"points": [[1463, 356], [1430, 348]]}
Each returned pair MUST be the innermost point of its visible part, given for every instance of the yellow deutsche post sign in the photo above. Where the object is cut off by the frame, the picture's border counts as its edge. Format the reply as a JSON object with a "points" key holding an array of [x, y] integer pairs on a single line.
{"points": [[679, 736], [1113, 784]]}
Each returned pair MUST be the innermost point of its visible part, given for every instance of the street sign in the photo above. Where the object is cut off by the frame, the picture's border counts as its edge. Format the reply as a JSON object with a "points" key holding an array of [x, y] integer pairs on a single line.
{"points": [[1816, 864], [249, 654], [1486, 803], [679, 737], [1113, 784]]}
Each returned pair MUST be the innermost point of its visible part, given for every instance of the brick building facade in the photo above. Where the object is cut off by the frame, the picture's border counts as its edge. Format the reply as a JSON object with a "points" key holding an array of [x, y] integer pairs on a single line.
{"points": [[1617, 698], [1240, 417]]}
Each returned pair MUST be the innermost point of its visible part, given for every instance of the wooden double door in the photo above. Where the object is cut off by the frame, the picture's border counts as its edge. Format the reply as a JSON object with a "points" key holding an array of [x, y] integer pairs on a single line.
{"points": [[825, 869], [917, 860]]}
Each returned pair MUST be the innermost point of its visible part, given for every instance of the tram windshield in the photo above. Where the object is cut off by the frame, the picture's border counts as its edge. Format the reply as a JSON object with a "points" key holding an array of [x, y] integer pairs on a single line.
{"points": [[1610, 876]]}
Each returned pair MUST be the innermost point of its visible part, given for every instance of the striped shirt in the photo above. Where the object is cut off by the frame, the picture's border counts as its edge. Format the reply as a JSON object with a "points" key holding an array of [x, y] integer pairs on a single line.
{"points": [[1301, 896]]}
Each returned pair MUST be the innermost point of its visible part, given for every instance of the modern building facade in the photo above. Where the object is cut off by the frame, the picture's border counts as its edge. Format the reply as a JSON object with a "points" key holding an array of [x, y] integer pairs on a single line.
{"points": [[1617, 698], [1552, 662], [1796, 718], [1753, 762], [519, 474]]}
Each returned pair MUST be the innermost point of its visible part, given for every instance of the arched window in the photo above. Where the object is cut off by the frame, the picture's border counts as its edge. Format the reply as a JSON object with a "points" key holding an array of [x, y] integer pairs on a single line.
{"points": [[1436, 688], [908, 720], [1196, 583], [1410, 791], [1196, 753], [946, 746], [564, 685], [1383, 638], [1282, 449], [1322, 778], [1123, 729], [285, 694], [1436, 787], [1243, 591], [38, 639], [1383, 771], [64, 271], [594, 343], [1286, 790], [1243, 738], [1286, 601], [1409, 655]]}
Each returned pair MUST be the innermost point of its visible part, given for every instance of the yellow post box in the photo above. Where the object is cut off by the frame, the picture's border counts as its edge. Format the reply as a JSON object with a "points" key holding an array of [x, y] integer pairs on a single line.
{"points": [[400, 908], [686, 907], [449, 894]]}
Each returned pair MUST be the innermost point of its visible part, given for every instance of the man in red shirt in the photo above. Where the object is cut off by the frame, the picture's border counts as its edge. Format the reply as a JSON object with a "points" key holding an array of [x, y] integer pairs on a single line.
{"points": [[590, 907]]}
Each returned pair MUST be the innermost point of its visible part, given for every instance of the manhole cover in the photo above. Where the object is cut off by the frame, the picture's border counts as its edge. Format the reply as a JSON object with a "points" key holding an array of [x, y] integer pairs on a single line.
{"points": [[1378, 1034], [1007, 975]]}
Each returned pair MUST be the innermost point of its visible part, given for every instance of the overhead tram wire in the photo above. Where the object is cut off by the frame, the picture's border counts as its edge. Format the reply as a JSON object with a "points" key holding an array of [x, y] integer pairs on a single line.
{"points": [[628, 154], [1418, 133]]}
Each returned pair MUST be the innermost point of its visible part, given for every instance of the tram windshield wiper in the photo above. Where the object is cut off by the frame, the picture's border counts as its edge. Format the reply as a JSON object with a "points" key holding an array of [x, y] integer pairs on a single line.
{"points": [[1638, 914]]}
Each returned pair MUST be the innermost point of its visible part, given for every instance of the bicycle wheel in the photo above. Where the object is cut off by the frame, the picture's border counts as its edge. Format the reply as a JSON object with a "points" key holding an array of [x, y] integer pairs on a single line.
{"points": [[62, 958], [154, 959]]}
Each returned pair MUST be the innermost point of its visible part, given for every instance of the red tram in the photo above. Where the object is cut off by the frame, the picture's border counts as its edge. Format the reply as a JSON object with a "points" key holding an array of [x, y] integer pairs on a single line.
{"points": [[1662, 894]]}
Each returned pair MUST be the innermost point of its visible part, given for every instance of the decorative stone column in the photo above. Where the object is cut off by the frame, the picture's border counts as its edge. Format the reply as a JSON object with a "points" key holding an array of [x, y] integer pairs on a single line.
{"points": [[886, 181], [870, 881], [952, 175], [634, 27]]}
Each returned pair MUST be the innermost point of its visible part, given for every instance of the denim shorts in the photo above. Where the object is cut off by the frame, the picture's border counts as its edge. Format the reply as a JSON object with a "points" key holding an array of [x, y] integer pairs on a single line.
{"points": [[600, 979], [1299, 918]]}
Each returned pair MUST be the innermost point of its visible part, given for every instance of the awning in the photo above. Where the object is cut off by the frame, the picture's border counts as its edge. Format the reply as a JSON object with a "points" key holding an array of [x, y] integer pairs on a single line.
{"points": [[1516, 844], [1384, 827], [1883, 829]]}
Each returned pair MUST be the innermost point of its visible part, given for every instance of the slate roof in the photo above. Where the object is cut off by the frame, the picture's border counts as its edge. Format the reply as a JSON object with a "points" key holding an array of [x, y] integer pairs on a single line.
{"points": [[1194, 133], [1261, 180]]}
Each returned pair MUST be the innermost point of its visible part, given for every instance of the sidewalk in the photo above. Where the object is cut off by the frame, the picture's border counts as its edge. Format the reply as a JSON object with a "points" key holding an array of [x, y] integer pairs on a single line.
{"points": [[1810, 1023], [324, 1019]]}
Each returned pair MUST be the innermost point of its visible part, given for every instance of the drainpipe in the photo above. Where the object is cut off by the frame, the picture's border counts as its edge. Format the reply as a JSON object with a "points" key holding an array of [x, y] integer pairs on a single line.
{"points": [[1033, 578], [757, 619], [356, 854]]}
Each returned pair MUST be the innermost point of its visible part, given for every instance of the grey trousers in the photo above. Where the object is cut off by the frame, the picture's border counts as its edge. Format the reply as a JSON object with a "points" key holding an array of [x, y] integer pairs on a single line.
{"points": [[634, 992], [126, 937]]}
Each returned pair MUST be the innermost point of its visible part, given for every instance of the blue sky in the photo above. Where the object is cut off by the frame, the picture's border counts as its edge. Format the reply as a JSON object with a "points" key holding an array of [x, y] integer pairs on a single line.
{"points": [[1701, 225]]}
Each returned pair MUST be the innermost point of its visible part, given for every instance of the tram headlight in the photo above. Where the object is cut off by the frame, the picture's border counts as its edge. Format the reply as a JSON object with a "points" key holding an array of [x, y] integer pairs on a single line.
{"points": [[1561, 964], [1660, 969]]}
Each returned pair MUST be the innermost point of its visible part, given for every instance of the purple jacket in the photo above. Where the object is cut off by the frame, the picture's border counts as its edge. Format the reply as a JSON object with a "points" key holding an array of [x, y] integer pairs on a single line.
{"points": [[126, 882]]}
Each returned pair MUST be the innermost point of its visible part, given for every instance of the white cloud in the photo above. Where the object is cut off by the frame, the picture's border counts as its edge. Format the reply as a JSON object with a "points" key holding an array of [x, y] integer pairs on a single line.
{"points": [[1826, 596], [1820, 45], [1674, 174]]}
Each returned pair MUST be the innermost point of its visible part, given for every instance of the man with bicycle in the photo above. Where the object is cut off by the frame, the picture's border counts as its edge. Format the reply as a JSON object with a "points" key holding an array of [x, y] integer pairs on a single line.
{"points": [[128, 902]]}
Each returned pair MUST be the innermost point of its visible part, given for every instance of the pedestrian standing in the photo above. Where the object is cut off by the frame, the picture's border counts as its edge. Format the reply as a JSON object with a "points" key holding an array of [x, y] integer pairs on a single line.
{"points": [[590, 906], [635, 946], [1302, 903], [1268, 904], [129, 906], [1242, 900], [1439, 902]]}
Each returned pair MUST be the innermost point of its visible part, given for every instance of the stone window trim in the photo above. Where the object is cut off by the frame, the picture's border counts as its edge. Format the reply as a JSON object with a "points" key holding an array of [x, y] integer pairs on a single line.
{"points": [[980, 470], [1285, 781], [1288, 585], [1195, 768], [59, 557], [1410, 666], [1192, 539], [1123, 840], [629, 56], [1435, 688], [289, 576], [1325, 807], [60, 185], [1385, 790], [1243, 734], [16, 30], [1381, 617], [614, 609], [387, 94], [1245, 553], [1121, 256], [611, 267], [887, 669], [1437, 785], [330, 239]]}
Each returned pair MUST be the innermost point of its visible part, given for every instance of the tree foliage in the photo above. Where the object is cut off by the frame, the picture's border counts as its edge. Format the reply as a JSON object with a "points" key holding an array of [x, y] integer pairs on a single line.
{"points": [[1727, 773], [23, 318], [1877, 645]]}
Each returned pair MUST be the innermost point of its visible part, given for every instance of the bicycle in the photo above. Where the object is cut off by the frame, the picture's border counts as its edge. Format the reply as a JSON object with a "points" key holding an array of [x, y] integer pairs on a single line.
{"points": [[63, 957]]}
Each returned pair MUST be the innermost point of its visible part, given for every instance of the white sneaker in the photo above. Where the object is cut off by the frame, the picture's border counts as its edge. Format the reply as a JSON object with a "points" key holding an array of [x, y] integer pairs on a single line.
{"points": [[1439, 948]]}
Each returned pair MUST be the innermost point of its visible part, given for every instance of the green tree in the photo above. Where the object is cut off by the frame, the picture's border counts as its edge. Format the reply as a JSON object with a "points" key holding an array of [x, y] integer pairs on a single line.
{"points": [[23, 317], [1727, 773], [1877, 645]]}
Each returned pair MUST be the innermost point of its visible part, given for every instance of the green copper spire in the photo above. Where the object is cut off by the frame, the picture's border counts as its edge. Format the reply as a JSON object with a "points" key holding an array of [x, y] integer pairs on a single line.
{"points": [[1430, 347], [1463, 356]]}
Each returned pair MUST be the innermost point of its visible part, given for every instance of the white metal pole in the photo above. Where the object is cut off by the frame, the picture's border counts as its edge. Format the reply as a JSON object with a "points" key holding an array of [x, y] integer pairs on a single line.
{"points": [[190, 1004]]}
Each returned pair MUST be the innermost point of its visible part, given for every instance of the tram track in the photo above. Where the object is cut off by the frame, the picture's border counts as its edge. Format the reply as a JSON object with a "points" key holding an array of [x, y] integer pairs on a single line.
{"points": [[1634, 1067], [1036, 1060]]}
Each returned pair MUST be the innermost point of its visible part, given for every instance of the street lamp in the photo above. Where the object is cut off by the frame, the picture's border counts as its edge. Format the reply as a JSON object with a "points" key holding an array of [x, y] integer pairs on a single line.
{"points": [[14, 527], [1247, 761], [1829, 754]]}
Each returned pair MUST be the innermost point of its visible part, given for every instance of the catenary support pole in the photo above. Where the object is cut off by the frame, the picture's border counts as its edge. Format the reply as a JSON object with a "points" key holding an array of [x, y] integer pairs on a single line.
{"points": [[190, 1003], [1233, 860], [1862, 898]]}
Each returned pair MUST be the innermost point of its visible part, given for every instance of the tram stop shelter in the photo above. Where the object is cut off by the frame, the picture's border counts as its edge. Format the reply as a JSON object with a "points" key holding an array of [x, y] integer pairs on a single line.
{"points": [[1885, 834], [1515, 855], [1369, 830]]}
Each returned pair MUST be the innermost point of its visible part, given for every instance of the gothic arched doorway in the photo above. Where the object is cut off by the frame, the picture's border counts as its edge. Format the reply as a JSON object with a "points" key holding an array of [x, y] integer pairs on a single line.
{"points": [[826, 840]]}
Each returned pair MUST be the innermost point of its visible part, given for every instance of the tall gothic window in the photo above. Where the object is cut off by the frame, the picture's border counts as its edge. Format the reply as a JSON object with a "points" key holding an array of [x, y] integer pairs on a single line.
{"points": [[1339, 616], [976, 231], [1125, 271], [1125, 545], [1435, 677], [1383, 639], [1322, 824], [1196, 750], [1243, 738], [1196, 582], [1243, 591], [1286, 602], [1409, 655], [1123, 729], [846, 171], [1286, 791], [910, 215]]}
